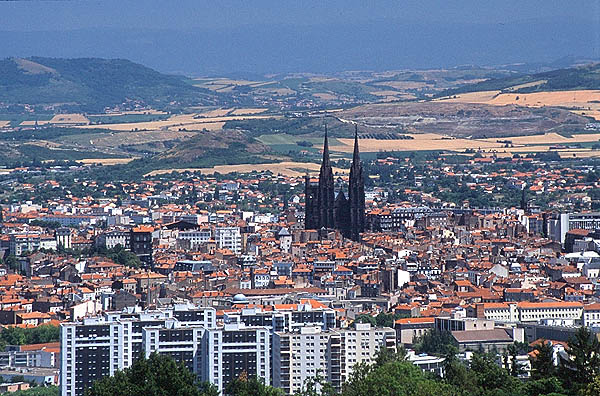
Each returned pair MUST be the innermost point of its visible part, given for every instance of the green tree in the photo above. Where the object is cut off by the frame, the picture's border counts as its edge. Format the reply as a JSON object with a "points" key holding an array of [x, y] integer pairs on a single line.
{"points": [[316, 386], [244, 386], [490, 377], [593, 388], [583, 363], [542, 364], [394, 378], [457, 373], [156, 376], [437, 342], [364, 318], [544, 386]]}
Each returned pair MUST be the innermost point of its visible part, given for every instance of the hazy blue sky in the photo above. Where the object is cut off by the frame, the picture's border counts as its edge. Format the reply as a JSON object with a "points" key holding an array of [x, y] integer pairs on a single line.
{"points": [[198, 37]]}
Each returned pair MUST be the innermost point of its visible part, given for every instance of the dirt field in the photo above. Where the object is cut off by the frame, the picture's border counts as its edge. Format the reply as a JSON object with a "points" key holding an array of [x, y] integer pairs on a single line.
{"points": [[106, 161], [69, 119], [247, 111], [284, 168], [31, 123], [199, 126], [324, 96], [4, 124]]}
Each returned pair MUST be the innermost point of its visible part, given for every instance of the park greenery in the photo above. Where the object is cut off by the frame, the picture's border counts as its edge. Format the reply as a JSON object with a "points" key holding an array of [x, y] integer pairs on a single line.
{"points": [[156, 376], [24, 336], [119, 255]]}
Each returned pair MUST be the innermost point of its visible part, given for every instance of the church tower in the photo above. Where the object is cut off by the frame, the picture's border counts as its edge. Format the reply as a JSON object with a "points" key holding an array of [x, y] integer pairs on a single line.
{"points": [[356, 193], [342, 214], [326, 195]]}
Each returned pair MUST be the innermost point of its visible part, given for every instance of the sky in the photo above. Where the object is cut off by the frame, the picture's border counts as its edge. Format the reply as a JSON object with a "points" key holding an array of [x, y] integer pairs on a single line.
{"points": [[202, 37]]}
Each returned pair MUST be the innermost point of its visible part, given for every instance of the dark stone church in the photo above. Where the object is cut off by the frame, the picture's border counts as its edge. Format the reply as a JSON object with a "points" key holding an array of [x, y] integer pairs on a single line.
{"points": [[324, 210]]}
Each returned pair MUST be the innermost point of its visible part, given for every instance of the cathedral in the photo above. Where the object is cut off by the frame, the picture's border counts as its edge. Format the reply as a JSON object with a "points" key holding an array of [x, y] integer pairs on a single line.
{"points": [[324, 210]]}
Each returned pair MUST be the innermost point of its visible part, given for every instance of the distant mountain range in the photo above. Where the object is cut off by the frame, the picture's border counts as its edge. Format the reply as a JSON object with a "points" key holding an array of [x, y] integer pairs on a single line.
{"points": [[319, 46], [93, 84]]}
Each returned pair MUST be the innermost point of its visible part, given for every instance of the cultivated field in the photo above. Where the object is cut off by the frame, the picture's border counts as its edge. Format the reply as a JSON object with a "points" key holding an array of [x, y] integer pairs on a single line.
{"points": [[519, 144], [69, 119], [420, 142], [583, 102], [106, 161], [187, 121], [550, 138], [247, 111], [292, 169]]}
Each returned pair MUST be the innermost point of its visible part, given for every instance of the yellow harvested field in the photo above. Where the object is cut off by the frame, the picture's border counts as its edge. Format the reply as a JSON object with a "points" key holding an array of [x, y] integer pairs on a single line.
{"points": [[581, 99], [69, 119], [324, 96], [472, 97], [549, 138], [199, 126], [120, 113], [426, 141], [4, 123], [174, 122], [276, 91], [402, 85], [292, 169], [32, 123], [106, 161], [580, 154], [588, 113], [215, 113], [431, 141], [248, 111], [527, 85], [385, 93]]}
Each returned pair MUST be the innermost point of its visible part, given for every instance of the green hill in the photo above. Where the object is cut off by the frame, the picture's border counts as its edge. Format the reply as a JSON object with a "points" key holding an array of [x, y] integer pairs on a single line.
{"points": [[582, 77], [92, 84]]}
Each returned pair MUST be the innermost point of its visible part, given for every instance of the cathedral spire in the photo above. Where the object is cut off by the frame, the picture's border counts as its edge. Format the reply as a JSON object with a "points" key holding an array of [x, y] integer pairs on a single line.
{"points": [[356, 192], [326, 149], [326, 195], [356, 155]]}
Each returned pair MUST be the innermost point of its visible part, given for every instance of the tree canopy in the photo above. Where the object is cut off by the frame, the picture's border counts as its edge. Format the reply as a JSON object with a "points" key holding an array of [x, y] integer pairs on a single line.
{"points": [[156, 376]]}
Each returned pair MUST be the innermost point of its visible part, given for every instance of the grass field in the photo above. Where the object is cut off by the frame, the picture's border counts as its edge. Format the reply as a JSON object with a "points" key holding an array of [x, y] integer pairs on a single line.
{"points": [[116, 139]]}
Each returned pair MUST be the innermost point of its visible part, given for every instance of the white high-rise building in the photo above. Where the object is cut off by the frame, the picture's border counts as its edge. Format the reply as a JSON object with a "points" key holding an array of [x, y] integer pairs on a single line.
{"points": [[229, 238], [333, 354]]}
